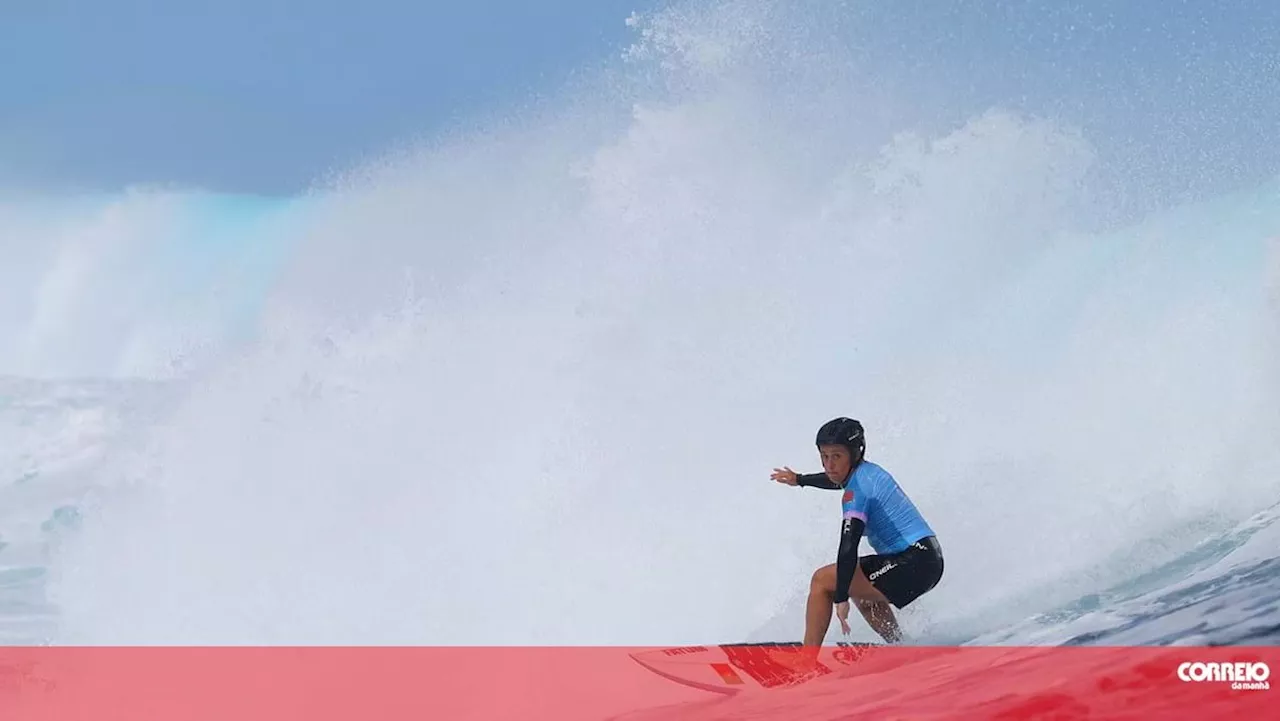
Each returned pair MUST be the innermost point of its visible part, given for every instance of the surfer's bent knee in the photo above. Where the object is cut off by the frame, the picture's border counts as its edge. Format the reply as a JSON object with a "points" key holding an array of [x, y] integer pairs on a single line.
{"points": [[824, 579]]}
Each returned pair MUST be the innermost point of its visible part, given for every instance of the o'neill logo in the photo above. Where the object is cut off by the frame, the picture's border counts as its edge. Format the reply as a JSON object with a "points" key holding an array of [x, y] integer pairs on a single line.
{"points": [[1243, 676]]}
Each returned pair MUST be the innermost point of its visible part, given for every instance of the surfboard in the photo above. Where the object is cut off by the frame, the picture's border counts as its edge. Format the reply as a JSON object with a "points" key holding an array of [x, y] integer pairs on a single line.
{"points": [[738, 667]]}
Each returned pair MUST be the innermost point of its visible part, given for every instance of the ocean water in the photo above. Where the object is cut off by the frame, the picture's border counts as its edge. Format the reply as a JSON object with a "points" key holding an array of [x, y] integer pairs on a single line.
{"points": [[525, 383]]}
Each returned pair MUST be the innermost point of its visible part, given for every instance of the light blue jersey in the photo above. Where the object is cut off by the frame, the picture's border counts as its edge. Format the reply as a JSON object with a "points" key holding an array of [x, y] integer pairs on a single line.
{"points": [[892, 521]]}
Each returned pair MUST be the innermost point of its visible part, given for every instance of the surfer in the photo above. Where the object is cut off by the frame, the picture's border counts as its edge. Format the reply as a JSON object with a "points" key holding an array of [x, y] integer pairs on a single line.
{"points": [[908, 559]]}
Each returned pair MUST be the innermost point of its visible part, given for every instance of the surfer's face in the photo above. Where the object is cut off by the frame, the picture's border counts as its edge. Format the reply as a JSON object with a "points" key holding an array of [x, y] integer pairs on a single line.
{"points": [[836, 461]]}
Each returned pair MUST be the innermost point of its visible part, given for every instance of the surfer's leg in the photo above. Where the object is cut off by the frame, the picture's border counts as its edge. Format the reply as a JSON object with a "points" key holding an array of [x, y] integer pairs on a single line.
{"points": [[874, 607], [817, 617], [872, 604]]}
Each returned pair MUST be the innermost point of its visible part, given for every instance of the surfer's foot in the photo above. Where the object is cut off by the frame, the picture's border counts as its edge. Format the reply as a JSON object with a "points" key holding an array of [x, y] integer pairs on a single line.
{"points": [[801, 660]]}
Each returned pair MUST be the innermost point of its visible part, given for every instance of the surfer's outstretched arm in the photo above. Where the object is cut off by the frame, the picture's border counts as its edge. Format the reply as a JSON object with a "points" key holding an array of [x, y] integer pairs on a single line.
{"points": [[817, 480], [813, 480]]}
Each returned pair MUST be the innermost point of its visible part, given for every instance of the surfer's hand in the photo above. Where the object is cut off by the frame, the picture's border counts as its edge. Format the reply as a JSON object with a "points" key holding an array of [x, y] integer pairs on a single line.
{"points": [[785, 475], [842, 613]]}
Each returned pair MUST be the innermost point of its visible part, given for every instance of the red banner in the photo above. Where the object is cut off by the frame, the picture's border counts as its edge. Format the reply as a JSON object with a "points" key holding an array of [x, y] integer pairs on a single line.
{"points": [[697, 682]]}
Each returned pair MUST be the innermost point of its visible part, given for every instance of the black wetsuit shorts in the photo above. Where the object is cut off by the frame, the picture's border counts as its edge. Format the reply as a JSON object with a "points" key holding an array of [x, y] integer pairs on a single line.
{"points": [[905, 576]]}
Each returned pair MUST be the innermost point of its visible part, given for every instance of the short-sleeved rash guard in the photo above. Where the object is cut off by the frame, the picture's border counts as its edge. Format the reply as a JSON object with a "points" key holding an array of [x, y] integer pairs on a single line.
{"points": [[892, 521]]}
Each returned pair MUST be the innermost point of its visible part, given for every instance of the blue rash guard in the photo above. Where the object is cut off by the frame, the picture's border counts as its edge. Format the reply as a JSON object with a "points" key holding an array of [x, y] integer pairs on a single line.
{"points": [[873, 502]]}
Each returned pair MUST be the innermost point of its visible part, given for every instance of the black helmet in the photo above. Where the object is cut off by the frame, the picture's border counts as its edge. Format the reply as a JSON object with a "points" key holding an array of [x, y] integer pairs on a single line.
{"points": [[843, 432]]}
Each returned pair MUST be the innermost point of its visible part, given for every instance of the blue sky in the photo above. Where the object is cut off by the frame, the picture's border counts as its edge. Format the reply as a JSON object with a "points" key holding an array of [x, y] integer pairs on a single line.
{"points": [[263, 95]]}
